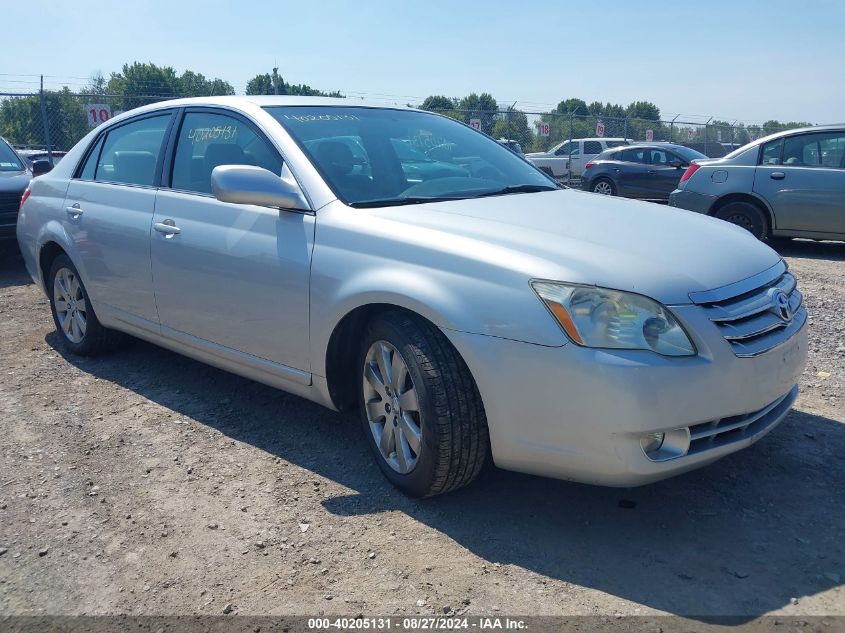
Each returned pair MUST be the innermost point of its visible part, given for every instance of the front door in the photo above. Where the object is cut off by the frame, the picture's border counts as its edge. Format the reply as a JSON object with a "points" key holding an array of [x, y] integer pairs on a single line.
{"points": [[108, 213], [226, 274], [803, 179]]}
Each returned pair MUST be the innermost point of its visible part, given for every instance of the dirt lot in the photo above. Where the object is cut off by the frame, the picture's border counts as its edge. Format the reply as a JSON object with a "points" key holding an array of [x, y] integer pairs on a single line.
{"points": [[147, 483]]}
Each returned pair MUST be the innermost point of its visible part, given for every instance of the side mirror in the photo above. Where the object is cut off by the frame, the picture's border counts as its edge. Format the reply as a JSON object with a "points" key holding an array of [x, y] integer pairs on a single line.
{"points": [[676, 163], [247, 184], [41, 167]]}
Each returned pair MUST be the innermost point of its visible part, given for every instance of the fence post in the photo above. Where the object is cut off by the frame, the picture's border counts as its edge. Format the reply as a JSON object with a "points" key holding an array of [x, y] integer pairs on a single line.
{"points": [[625, 135], [44, 122]]}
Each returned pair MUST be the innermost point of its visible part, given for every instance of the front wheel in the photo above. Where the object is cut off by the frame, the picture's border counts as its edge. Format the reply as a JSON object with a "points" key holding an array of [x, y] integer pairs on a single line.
{"points": [[420, 408]]}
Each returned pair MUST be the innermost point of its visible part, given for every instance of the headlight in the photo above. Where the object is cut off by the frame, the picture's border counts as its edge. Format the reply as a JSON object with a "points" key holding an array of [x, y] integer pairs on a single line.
{"points": [[599, 317]]}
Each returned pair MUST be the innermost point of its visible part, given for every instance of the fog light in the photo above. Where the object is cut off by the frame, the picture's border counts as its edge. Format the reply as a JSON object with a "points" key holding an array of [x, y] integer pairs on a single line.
{"points": [[652, 442], [659, 447]]}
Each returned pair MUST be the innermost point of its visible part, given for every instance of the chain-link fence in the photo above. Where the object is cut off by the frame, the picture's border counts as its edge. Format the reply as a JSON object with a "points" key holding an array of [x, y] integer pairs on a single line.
{"points": [[551, 132], [56, 120], [53, 121]]}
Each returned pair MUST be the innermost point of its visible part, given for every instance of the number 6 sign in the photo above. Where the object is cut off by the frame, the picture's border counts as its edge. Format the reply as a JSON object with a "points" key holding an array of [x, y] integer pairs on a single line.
{"points": [[97, 113]]}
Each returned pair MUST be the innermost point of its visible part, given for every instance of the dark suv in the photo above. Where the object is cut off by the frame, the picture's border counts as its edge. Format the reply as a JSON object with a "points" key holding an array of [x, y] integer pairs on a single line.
{"points": [[14, 178], [647, 171]]}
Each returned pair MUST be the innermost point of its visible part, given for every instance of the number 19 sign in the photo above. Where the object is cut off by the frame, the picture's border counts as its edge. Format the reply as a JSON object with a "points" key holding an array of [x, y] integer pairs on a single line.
{"points": [[97, 113]]}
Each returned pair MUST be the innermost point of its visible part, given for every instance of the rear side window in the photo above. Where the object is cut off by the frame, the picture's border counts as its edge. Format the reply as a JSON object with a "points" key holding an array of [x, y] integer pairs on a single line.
{"points": [[130, 152], [209, 139], [633, 155], [592, 147], [90, 167]]}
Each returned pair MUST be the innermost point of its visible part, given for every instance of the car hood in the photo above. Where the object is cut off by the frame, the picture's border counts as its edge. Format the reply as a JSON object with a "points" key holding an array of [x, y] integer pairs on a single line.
{"points": [[568, 235], [15, 181]]}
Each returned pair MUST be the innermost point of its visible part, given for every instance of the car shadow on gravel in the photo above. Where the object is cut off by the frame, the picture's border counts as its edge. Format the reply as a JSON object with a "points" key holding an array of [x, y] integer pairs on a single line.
{"points": [[747, 535], [810, 249]]}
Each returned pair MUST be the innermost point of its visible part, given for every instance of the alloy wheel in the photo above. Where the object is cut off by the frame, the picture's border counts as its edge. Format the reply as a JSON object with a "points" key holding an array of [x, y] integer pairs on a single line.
{"points": [[603, 187], [71, 307], [392, 405]]}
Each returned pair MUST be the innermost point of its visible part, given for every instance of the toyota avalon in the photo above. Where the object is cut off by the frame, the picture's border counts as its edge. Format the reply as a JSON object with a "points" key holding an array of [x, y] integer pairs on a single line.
{"points": [[474, 311]]}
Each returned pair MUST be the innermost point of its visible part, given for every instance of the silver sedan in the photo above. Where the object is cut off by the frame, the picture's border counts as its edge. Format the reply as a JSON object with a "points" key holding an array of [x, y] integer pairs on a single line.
{"points": [[401, 264]]}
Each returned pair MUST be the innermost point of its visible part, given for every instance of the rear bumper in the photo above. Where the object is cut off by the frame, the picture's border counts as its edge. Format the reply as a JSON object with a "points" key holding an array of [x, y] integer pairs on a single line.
{"points": [[691, 200], [580, 414]]}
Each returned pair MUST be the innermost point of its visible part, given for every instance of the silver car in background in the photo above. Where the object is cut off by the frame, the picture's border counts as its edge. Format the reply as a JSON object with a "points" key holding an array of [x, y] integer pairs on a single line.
{"points": [[790, 184], [463, 313]]}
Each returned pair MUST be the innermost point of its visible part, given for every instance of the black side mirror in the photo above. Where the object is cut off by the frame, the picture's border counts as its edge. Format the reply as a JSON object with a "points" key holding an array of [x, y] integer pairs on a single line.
{"points": [[676, 163], [41, 167]]}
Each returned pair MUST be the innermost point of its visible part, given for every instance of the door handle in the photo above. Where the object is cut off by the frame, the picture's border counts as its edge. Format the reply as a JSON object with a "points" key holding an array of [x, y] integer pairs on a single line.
{"points": [[651, 171], [74, 211], [168, 227], [777, 175]]}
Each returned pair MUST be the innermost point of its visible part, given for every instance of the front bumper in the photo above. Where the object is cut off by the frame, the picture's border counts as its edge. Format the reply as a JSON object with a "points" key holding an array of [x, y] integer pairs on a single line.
{"points": [[691, 201], [576, 413]]}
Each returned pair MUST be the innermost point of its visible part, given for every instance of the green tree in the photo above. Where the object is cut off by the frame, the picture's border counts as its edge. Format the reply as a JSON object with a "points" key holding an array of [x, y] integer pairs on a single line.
{"points": [[574, 106], [191, 84], [139, 83], [267, 84], [475, 106], [437, 103], [643, 110]]}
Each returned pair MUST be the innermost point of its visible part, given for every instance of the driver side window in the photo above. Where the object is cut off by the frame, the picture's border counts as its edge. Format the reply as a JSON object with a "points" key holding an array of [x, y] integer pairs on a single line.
{"points": [[208, 140]]}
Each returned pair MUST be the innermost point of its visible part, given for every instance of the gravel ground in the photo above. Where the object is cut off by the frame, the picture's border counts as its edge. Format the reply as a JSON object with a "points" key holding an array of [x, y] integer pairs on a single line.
{"points": [[147, 483]]}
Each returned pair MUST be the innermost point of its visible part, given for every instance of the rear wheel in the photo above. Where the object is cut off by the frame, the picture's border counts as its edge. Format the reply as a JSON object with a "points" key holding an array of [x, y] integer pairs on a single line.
{"points": [[604, 187], [420, 408], [746, 215], [78, 327]]}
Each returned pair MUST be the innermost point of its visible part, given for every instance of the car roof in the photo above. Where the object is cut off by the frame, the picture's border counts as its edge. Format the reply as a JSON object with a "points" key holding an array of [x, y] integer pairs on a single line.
{"points": [[837, 127], [264, 101]]}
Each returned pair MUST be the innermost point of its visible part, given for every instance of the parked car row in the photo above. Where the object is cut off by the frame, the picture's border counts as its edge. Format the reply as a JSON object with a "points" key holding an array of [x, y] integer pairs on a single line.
{"points": [[462, 312]]}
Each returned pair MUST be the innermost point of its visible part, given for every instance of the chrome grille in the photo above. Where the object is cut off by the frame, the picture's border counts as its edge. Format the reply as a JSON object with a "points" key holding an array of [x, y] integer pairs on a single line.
{"points": [[738, 427], [754, 322]]}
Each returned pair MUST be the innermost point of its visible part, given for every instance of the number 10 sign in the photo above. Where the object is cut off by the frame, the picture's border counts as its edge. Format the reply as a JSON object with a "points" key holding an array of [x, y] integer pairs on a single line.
{"points": [[97, 113]]}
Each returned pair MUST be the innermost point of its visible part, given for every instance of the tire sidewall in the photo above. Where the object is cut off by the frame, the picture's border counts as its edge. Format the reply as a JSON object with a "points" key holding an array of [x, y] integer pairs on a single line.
{"points": [[597, 181], [755, 217], [418, 482], [63, 261]]}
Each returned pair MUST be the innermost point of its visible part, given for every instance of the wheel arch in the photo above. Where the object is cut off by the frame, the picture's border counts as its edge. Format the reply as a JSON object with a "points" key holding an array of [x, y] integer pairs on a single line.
{"points": [[749, 198], [343, 347]]}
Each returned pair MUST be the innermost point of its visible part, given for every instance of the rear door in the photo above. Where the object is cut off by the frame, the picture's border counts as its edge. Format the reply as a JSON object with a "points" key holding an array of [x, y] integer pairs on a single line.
{"points": [[108, 212], [632, 175], [230, 276], [803, 179]]}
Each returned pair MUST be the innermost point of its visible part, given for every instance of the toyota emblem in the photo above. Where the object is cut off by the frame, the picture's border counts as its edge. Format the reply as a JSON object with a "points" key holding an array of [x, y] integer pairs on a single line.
{"points": [[781, 307]]}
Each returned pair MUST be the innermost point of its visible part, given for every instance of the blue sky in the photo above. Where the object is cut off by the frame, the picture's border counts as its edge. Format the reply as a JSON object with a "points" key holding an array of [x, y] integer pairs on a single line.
{"points": [[748, 60]]}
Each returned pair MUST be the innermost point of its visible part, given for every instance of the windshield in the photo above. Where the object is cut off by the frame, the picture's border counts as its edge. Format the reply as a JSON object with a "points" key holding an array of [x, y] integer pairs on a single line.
{"points": [[382, 157], [687, 153], [9, 161]]}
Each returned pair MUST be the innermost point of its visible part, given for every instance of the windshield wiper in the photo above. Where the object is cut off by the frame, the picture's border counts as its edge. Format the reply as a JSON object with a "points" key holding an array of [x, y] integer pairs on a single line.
{"points": [[398, 202], [516, 189]]}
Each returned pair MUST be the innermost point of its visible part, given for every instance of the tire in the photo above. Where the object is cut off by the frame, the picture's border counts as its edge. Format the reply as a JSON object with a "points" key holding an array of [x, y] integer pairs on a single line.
{"points": [[83, 338], [603, 186], [745, 215], [445, 421]]}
